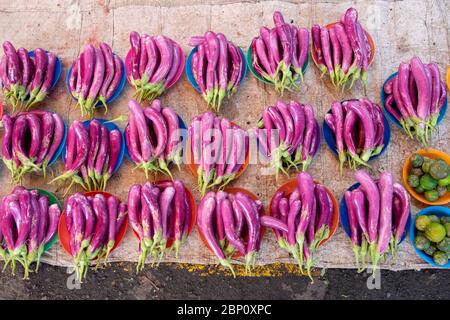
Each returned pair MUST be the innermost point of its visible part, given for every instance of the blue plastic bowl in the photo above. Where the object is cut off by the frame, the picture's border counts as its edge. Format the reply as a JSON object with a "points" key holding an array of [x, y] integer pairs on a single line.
{"points": [[191, 78], [392, 118], [61, 147], [110, 126], [56, 73], [344, 216], [180, 123], [435, 210], [331, 142], [116, 93], [261, 78]]}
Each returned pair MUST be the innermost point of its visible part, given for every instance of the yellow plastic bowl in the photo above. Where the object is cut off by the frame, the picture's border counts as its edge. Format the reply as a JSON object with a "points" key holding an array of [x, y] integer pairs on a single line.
{"points": [[432, 154], [448, 78]]}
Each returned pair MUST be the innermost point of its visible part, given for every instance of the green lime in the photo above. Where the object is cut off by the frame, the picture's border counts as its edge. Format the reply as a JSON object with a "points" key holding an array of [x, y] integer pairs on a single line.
{"points": [[422, 222], [431, 195], [427, 182], [426, 164], [444, 182], [435, 232], [430, 250], [416, 171], [447, 228], [419, 190], [413, 181], [444, 245], [416, 160], [421, 243], [439, 169], [440, 258]]}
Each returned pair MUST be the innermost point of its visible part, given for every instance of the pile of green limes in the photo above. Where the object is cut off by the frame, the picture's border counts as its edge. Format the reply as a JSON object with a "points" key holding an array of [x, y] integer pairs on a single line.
{"points": [[430, 177], [433, 237]]}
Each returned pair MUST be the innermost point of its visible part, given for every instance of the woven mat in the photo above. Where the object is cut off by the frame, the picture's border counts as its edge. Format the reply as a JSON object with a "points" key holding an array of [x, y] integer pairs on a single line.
{"points": [[400, 29]]}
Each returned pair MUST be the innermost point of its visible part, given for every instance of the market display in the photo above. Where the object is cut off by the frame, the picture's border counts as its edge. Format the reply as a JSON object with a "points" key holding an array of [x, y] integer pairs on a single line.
{"points": [[415, 96], [93, 222], [153, 137], [28, 223], [378, 211], [219, 150], [31, 141], [153, 65], [161, 217], [94, 78], [218, 66], [343, 50], [358, 130], [291, 135], [303, 214], [91, 155], [280, 55], [302, 219], [230, 225]]}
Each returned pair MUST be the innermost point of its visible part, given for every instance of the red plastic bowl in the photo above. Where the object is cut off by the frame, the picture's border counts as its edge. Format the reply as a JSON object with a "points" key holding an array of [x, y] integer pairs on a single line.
{"points": [[234, 190], [193, 207], [63, 233], [289, 186]]}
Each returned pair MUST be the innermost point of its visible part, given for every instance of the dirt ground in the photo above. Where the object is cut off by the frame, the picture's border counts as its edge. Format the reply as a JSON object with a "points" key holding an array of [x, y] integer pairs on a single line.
{"points": [[170, 282]]}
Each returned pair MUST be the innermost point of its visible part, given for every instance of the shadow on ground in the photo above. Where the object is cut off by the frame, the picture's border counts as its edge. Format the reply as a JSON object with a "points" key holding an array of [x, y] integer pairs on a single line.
{"points": [[170, 282]]}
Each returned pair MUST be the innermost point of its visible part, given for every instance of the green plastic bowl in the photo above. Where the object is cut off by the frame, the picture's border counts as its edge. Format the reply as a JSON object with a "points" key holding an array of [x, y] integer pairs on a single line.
{"points": [[258, 76]]}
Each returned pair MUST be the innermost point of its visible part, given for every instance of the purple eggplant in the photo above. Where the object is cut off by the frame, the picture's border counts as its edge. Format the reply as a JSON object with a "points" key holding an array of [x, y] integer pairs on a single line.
{"points": [[109, 72], [205, 218]]}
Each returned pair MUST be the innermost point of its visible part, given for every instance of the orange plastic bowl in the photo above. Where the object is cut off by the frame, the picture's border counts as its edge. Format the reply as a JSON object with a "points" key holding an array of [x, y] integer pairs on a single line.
{"points": [[192, 206], [234, 190], [433, 154], [63, 233], [369, 37], [289, 186]]}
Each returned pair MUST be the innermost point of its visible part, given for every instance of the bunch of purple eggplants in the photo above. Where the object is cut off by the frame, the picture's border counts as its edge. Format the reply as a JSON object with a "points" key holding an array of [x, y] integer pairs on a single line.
{"points": [[358, 129], [230, 224], [28, 223], [95, 77], [342, 50], [93, 223], [91, 156], [30, 141], [160, 214], [153, 137], [289, 135], [415, 98], [219, 149], [378, 211], [26, 81], [302, 219], [153, 64], [280, 54], [218, 67]]}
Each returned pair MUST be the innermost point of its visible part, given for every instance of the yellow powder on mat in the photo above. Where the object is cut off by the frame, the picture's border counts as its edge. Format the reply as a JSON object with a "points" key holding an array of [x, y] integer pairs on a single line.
{"points": [[272, 270]]}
